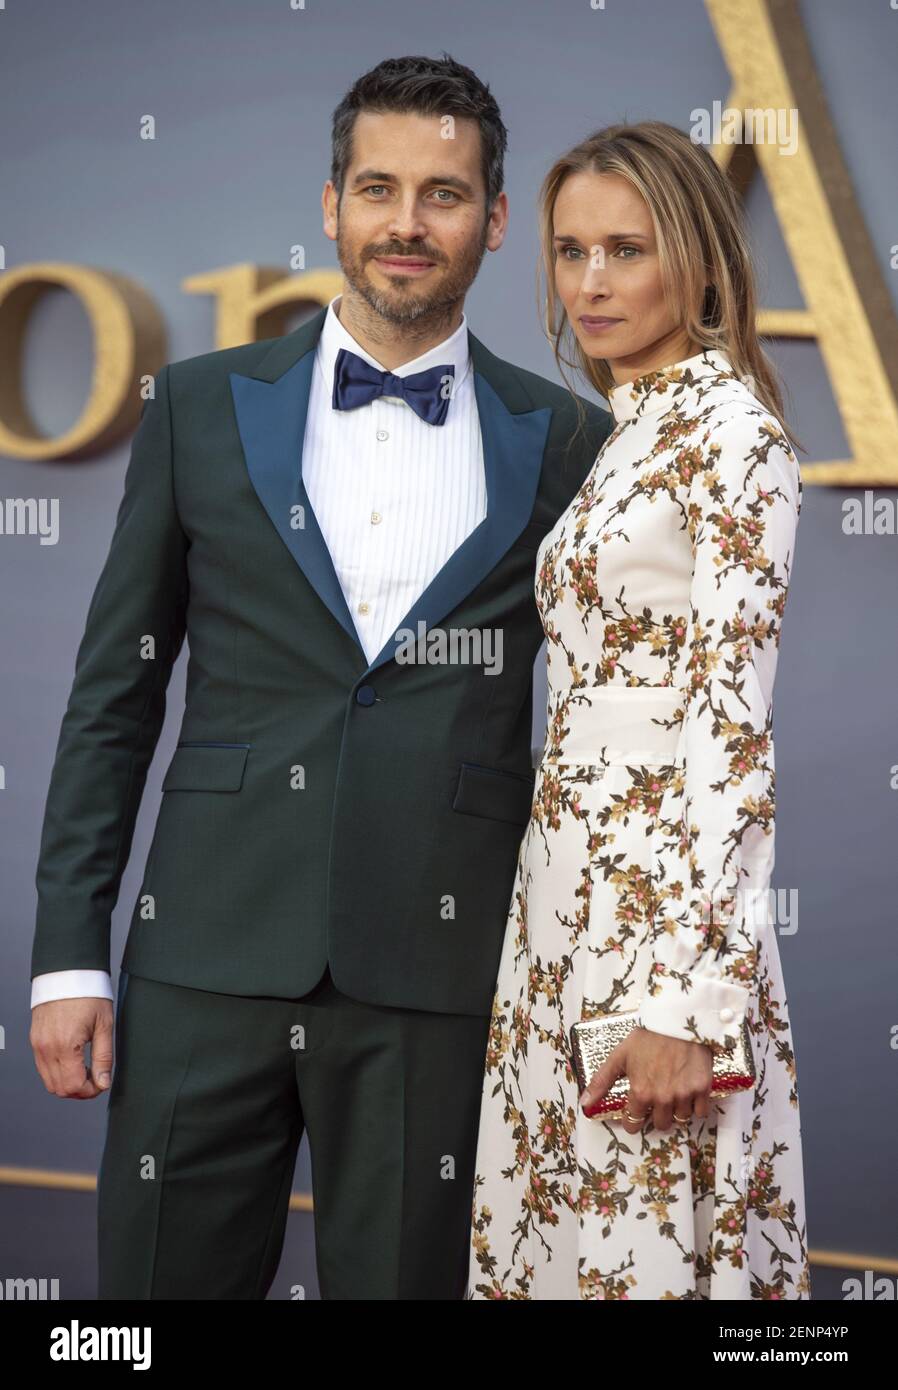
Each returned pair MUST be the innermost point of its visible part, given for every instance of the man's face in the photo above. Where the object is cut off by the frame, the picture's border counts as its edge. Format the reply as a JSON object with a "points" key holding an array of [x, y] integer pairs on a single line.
{"points": [[411, 226]]}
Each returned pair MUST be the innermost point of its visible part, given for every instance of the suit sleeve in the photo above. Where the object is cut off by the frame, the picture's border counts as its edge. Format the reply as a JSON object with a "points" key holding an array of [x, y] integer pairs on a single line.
{"points": [[714, 839], [135, 628], [601, 425]]}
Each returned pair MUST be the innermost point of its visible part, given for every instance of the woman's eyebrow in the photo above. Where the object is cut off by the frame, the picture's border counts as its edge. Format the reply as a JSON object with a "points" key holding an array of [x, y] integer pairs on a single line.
{"points": [[612, 236]]}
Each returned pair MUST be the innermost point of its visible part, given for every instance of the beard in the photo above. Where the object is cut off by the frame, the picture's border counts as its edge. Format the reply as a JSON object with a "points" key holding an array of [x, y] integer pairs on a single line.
{"points": [[404, 302]]}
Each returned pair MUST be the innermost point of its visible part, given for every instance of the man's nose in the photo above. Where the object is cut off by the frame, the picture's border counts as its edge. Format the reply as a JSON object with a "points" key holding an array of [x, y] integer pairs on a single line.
{"points": [[407, 223]]}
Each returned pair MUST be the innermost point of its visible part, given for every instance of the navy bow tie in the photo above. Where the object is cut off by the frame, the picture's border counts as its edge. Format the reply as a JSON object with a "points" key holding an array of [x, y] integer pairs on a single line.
{"points": [[356, 382]]}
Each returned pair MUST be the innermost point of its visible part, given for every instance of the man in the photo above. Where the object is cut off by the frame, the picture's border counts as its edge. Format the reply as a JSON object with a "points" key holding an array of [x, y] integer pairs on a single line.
{"points": [[317, 936]]}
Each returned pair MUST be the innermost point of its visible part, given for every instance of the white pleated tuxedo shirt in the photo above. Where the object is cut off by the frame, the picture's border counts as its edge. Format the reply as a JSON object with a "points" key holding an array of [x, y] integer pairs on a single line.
{"points": [[394, 498]]}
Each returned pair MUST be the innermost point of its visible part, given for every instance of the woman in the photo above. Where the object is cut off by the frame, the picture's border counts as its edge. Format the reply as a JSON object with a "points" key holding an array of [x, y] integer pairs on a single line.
{"points": [[643, 875]]}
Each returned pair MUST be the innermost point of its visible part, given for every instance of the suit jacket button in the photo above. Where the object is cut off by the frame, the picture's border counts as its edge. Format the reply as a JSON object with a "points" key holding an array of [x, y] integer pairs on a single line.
{"points": [[365, 695]]}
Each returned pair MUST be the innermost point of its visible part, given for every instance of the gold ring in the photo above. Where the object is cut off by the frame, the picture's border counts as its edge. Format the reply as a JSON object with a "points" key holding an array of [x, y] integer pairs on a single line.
{"points": [[682, 1119], [636, 1119]]}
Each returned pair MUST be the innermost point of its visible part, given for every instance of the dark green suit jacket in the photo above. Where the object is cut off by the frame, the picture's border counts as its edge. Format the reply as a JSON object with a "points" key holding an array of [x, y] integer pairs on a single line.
{"points": [[317, 808]]}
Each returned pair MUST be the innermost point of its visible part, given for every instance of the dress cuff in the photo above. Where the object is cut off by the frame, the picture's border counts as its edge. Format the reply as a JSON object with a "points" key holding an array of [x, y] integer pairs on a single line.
{"points": [[711, 1011]]}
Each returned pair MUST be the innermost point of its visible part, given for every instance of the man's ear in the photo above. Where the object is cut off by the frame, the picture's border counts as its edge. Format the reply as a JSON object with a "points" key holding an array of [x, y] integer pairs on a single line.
{"points": [[330, 202]]}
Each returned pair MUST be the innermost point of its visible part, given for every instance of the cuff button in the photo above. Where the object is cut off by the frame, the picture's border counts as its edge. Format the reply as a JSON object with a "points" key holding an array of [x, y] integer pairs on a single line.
{"points": [[726, 1015]]}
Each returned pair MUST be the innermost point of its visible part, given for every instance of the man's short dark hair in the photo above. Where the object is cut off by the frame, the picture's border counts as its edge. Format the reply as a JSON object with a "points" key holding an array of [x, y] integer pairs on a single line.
{"points": [[424, 87]]}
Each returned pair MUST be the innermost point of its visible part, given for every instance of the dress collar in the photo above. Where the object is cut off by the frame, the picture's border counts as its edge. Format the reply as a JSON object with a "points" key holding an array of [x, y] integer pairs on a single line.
{"points": [[452, 350], [656, 392]]}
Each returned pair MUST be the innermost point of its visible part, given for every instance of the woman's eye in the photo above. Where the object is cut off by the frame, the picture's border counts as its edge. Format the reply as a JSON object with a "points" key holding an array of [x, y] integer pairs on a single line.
{"points": [[575, 249], [634, 249]]}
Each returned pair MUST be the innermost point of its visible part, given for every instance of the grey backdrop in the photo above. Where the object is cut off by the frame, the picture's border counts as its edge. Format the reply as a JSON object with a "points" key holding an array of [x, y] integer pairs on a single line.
{"points": [[242, 94]]}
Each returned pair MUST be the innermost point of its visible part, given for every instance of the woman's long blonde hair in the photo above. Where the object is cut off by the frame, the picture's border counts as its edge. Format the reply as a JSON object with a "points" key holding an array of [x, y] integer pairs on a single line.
{"points": [[706, 264]]}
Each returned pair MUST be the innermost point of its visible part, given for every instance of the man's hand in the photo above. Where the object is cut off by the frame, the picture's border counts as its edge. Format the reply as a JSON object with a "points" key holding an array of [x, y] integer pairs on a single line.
{"points": [[670, 1079], [60, 1031]]}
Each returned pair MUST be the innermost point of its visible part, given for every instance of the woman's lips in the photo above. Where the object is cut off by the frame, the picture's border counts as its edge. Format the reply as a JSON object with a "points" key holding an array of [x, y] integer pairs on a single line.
{"points": [[598, 324]]}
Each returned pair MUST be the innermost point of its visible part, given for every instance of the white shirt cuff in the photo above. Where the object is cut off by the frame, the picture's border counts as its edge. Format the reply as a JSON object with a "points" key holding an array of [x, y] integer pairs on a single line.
{"points": [[71, 984]]}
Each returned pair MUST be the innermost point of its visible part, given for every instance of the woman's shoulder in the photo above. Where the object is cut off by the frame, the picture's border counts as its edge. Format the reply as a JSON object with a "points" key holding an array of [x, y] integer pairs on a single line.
{"points": [[734, 413], [739, 426], [748, 449]]}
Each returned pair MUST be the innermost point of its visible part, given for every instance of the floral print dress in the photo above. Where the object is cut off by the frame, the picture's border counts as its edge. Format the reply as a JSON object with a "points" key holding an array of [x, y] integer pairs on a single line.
{"points": [[643, 877]]}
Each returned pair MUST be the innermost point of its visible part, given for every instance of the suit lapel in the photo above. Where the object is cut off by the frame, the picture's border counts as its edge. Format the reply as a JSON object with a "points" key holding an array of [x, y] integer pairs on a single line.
{"points": [[271, 407]]}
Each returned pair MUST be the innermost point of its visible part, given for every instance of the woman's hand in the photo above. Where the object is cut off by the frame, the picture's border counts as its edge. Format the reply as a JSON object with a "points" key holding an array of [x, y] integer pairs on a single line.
{"points": [[670, 1080]]}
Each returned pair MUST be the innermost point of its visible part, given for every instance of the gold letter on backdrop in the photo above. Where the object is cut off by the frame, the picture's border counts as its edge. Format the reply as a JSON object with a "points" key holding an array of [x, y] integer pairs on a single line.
{"points": [[848, 307], [129, 339], [252, 301]]}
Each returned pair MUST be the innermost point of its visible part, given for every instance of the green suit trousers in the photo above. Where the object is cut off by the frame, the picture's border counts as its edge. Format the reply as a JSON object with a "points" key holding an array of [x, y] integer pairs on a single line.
{"points": [[210, 1097]]}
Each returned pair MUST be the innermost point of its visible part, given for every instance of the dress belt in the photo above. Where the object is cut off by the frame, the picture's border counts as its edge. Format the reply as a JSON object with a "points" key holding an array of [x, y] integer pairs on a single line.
{"points": [[608, 724]]}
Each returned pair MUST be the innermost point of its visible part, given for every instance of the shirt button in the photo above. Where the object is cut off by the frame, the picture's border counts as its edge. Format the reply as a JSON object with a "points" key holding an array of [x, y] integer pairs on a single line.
{"points": [[383, 434], [375, 518], [363, 607], [726, 1015]]}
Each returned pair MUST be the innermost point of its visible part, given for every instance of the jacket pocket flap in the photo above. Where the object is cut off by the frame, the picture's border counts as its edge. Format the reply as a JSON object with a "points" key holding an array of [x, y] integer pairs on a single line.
{"points": [[487, 791], [207, 768]]}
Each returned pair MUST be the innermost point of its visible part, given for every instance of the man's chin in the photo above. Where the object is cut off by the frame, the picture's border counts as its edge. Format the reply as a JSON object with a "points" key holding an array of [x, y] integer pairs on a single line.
{"points": [[399, 303]]}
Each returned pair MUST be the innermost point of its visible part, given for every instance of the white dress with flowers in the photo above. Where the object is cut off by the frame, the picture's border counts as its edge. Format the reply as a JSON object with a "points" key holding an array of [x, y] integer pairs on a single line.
{"points": [[643, 875]]}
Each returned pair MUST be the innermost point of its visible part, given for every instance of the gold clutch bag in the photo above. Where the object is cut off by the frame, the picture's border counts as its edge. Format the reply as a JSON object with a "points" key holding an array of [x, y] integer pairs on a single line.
{"points": [[594, 1039]]}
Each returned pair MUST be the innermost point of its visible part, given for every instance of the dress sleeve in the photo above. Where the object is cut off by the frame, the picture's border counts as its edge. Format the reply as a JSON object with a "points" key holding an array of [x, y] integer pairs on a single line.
{"points": [[713, 842]]}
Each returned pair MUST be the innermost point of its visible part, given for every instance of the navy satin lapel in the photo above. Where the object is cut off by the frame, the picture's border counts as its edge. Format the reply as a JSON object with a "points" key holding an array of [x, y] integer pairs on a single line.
{"points": [[513, 447], [271, 420]]}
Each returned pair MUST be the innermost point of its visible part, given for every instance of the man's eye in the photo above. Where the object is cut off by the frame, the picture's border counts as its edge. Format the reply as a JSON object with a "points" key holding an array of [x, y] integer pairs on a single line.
{"points": [[374, 187]]}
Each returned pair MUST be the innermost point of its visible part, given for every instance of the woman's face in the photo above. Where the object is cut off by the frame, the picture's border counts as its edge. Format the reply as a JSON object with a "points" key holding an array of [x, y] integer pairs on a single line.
{"points": [[608, 276]]}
